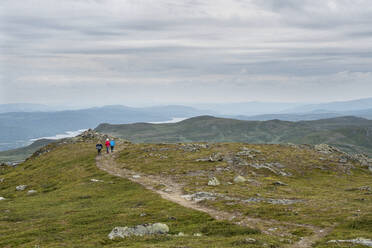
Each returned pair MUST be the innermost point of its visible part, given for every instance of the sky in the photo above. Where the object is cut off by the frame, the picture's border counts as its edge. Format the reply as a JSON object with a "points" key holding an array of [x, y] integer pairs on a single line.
{"points": [[149, 52]]}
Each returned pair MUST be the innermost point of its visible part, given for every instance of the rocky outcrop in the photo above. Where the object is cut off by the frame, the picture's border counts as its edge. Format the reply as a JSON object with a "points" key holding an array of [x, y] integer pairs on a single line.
{"points": [[139, 230]]}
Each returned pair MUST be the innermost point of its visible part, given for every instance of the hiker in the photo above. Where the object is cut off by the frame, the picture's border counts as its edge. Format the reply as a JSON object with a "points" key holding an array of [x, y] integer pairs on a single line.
{"points": [[107, 145], [112, 144], [99, 147]]}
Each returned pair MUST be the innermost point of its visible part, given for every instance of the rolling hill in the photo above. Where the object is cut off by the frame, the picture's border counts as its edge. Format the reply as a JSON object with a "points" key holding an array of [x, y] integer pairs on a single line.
{"points": [[350, 134]]}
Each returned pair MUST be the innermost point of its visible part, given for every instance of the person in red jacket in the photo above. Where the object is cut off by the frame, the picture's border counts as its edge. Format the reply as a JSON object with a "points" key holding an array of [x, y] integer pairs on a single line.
{"points": [[107, 144]]}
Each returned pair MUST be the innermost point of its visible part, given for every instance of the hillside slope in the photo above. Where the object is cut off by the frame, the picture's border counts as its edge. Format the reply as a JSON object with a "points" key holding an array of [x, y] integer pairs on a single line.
{"points": [[348, 133], [289, 192]]}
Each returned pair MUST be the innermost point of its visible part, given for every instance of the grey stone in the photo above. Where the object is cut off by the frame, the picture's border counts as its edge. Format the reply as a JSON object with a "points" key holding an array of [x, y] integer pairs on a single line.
{"points": [[21, 187], [1, 180], [32, 191], [279, 183], [200, 196], [2, 198], [216, 157], [139, 230], [239, 179], [96, 180], [213, 182]]}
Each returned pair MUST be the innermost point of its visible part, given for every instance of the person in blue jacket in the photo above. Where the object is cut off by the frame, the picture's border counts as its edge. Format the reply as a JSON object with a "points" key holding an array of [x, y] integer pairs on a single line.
{"points": [[112, 145]]}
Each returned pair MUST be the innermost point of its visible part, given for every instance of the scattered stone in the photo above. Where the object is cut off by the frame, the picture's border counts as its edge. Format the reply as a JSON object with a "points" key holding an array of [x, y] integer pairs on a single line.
{"points": [[96, 180], [276, 168], [359, 241], [213, 182], [32, 191], [239, 179], [1, 180], [250, 241], [200, 196], [139, 230], [2, 198], [168, 190], [279, 183], [143, 214], [272, 201], [216, 157], [326, 149], [365, 188], [21, 187], [198, 234], [136, 176], [181, 234]]}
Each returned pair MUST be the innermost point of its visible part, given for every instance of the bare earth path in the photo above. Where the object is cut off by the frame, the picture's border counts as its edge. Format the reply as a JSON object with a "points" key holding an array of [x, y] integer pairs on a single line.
{"points": [[173, 192]]}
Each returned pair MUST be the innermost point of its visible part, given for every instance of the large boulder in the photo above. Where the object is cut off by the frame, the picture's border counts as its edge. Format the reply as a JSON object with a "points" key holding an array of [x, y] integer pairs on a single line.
{"points": [[139, 230]]}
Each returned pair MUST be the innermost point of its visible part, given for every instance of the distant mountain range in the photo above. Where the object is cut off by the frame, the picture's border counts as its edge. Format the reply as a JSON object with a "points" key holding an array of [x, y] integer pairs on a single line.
{"points": [[17, 128], [21, 122], [351, 134]]}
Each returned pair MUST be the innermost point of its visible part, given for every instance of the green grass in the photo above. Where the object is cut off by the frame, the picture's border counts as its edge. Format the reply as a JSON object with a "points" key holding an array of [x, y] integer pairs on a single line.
{"points": [[71, 211], [318, 179]]}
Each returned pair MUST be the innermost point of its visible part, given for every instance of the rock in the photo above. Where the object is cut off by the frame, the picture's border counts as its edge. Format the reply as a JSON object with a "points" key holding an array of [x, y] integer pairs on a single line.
{"points": [[2, 198], [136, 176], [239, 179], [365, 188], [32, 191], [96, 180], [200, 196], [216, 157], [326, 149], [279, 183], [250, 241], [21, 187], [213, 182], [359, 241], [181, 234], [139, 230], [143, 214], [198, 234], [370, 168], [1, 180]]}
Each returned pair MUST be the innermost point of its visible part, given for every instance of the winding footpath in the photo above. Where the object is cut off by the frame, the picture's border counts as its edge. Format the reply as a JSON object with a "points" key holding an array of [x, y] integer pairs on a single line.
{"points": [[173, 192]]}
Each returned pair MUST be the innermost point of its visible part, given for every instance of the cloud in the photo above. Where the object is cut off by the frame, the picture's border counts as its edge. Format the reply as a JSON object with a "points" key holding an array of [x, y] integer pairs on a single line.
{"points": [[53, 51]]}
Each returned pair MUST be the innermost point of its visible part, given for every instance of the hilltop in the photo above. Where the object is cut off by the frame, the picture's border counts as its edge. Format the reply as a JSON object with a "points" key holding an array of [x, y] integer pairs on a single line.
{"points": [[350, 134], [209, 194]]}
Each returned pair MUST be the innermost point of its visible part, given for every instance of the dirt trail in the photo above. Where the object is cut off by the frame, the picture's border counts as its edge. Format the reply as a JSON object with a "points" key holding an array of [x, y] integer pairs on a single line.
{"points": [[173, 192]]}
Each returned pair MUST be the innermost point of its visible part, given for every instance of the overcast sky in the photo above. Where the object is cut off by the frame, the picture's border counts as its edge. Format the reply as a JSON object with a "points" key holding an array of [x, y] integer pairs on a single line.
{"points": [[134, 52]]}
